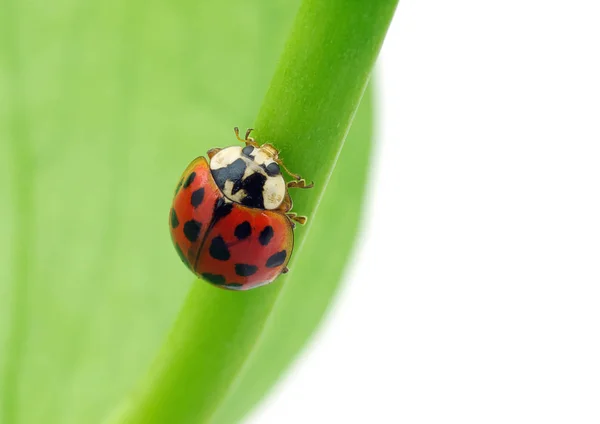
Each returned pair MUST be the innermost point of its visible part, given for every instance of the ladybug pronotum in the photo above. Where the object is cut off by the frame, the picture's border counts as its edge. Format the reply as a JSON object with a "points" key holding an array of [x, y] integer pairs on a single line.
{"points": [[230, 220]]}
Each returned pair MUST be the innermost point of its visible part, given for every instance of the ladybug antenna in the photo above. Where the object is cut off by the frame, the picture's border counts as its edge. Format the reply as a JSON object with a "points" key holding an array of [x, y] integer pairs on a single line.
{"points": [[247, 139]]}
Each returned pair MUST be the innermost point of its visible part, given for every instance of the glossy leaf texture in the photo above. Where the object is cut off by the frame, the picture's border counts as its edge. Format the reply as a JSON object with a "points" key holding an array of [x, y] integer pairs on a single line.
{"points": [[102, 105], [308, 110], [319, 270]]}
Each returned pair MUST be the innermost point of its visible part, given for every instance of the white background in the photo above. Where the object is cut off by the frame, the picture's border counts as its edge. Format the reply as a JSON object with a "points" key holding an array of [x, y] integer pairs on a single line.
{"points": [[476, 294]]}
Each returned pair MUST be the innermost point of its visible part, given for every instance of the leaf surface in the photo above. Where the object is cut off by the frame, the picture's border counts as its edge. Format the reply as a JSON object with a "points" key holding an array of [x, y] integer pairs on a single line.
{"points": [[102, 105]]}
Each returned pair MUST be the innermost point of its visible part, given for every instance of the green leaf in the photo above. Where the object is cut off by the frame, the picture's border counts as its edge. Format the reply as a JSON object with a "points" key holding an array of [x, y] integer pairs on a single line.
{"points": [[307, 112], [318, 271], [102, 105]]}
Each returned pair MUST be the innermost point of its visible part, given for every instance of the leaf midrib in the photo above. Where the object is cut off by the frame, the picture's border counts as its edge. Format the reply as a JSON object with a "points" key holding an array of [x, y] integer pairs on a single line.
{"points": [[255, 347]]}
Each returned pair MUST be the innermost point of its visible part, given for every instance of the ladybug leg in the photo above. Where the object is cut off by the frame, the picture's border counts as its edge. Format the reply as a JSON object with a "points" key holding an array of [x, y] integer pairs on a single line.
{"points": [[294, 217], [300, 183], [285, 270], [286, 205], [213, 152], [247, 139]]}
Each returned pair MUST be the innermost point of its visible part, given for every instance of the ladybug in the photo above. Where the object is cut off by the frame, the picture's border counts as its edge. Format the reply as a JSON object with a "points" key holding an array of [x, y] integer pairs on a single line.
{"points": [[230, 220]]}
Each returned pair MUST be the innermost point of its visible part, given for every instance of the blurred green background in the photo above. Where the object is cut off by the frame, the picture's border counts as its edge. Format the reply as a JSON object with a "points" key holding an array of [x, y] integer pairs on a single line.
{"points": [[102, 105]]}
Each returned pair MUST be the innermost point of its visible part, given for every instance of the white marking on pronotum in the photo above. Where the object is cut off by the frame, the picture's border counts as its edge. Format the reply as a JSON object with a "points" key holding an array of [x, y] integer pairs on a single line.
{"points": [[274, 188]]}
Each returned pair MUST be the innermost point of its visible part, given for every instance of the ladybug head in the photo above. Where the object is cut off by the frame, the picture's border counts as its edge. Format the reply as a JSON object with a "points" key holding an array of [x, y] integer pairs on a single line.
{"points": [[269, 155], [267, 151], [250, 176], [270, 151]]}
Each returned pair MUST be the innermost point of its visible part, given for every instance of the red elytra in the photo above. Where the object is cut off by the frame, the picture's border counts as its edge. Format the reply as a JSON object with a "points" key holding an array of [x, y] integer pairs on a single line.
{"points": [[226, 243]]}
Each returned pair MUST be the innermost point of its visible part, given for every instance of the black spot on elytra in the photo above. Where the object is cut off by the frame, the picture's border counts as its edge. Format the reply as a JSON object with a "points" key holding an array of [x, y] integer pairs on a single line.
{"points": [[276, 259], [247, 151], [191, 229], [245, 270], [214, 278], [272, 169], [218, 249], [253, 186], [178, 186], [219, 280], [232, 172], [197, 197], [190, 179], [266, 235], [221, 209], [243, 230], [174, 219]]}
